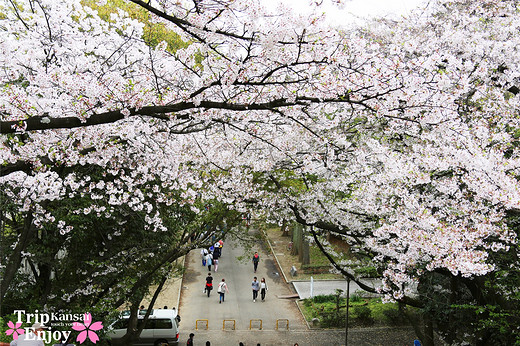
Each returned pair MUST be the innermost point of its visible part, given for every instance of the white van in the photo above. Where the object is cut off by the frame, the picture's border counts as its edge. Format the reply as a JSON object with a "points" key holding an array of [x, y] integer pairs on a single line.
{"points": [[161, 328]]}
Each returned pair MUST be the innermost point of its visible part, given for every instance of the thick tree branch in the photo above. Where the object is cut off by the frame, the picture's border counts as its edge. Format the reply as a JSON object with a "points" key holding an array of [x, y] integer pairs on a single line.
{"points": [[39, 123]]}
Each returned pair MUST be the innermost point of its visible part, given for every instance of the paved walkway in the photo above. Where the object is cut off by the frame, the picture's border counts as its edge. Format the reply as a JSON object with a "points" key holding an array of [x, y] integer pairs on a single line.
{"points": [[182, 292], [240, 312]]}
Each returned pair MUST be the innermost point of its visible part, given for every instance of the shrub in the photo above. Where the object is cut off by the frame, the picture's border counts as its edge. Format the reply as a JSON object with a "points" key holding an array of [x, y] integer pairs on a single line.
{"points": [[363, 314], [323, 299], [355, 298], [332, 320], [394, 316], [367, 272]]}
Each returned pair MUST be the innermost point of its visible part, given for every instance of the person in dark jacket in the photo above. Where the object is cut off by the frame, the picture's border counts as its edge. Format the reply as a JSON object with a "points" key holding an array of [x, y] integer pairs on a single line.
{"points": [[190, 340], [209, 284], [256, 259]]}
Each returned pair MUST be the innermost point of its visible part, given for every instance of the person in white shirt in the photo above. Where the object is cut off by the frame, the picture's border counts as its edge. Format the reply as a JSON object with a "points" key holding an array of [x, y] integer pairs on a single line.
{"points": [[263, 288], [32, 338], [222, 289], [203, 253]]}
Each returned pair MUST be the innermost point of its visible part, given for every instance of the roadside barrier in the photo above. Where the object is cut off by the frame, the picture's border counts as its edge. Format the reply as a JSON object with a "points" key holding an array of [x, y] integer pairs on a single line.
{"points": [[224, 324], [197, 324], [282, 319], [256, 320]]}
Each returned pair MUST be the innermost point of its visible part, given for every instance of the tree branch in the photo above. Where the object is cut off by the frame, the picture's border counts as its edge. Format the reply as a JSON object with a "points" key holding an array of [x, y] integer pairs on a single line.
{"points": [[39, 123]]}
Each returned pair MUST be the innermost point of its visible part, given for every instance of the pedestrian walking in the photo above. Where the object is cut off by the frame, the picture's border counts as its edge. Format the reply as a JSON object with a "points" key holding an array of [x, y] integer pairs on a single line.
{"points": [[256, 259], [255, 285], [215, 264], [222, 289], [209, 284], [190, 340], [216, 251], [209, 261], [263, 288], [203, 253]]}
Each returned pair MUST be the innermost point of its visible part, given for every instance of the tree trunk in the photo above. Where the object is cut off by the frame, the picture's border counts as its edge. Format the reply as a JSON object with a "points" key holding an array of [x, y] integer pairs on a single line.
{"points": [[13, 263], [285, 228], [133, 332], [296, 238], [305, 255], [428, 331]]}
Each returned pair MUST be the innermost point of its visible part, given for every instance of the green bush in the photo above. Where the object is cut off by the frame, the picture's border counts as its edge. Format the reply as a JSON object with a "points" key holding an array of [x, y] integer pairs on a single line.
{"points": [[355, 298], [363, 314], [320, 299], [394, 316], [367, 272], [332, 320]]}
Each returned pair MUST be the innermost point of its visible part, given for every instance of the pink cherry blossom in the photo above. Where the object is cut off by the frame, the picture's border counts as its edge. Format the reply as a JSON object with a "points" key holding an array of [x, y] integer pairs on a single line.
{"points": [[401, 126], [87, 329], [14, 329]]}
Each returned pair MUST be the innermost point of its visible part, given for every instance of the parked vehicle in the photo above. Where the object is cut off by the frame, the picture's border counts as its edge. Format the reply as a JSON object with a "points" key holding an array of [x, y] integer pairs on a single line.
{"points": [[161, 328]]}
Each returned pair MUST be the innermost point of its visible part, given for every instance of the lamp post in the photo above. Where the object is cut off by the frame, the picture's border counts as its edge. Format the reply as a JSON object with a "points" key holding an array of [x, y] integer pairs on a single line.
{"points": [[346, 318]]}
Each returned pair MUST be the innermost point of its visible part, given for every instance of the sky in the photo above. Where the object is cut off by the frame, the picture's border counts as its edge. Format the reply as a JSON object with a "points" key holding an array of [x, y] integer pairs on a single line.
{"points": [[352, 8]]}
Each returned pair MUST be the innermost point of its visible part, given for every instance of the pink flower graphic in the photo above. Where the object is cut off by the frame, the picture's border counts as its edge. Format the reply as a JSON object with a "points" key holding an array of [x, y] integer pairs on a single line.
{"points": [[86, 329], [14, 329]]}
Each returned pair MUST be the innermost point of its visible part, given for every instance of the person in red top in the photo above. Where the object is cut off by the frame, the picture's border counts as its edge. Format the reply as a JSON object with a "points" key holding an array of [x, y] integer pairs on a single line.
{"points": [[256, 259], [209, 284]]}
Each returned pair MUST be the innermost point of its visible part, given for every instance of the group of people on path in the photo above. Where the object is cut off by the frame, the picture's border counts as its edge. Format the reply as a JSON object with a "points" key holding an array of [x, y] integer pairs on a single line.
{"points": [[255, 285], [259, 286], [210, 257], [221, 289]]}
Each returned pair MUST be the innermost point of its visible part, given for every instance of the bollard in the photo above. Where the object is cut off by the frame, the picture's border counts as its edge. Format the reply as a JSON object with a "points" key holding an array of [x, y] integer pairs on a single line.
{"points": [[197, 324], [224, 324], [251, 323], [282, 319]]}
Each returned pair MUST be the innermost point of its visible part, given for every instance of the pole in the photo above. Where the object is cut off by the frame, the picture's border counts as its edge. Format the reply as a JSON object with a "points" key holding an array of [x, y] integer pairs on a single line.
{"points": [[312, 286], [346, 319]]}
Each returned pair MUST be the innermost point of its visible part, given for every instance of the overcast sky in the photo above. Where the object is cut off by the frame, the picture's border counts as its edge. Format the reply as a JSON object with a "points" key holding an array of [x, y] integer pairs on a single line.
{"points": [[361, 8]]}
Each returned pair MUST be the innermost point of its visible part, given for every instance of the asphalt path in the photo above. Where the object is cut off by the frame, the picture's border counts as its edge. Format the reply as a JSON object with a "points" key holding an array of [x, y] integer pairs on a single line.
{"points": [[238, 309], [205, 317]]}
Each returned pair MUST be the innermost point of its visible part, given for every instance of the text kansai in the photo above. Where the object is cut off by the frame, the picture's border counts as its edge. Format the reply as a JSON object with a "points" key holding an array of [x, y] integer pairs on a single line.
{"points": [[45, 318]]}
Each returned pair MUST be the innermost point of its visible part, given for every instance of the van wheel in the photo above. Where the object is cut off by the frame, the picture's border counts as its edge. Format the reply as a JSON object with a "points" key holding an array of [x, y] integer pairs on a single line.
{"points": [[160, 343]]}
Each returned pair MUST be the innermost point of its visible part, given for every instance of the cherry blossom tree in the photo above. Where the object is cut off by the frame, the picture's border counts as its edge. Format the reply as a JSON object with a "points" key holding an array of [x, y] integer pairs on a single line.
{"points": [[401, 137]]}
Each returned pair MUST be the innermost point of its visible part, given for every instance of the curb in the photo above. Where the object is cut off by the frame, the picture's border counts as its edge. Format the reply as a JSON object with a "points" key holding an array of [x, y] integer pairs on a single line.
{"points": [[180, 285], [276, 258], [286, 281], [297, 302]]}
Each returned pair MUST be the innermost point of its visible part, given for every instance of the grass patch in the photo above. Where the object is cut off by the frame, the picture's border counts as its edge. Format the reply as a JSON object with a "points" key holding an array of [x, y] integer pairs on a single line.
{"points": [[317, 258], [330, 311]]}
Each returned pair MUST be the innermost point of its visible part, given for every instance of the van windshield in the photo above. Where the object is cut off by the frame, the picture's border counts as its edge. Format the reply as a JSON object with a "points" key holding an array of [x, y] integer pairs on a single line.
{"points": [[159, 323]]}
